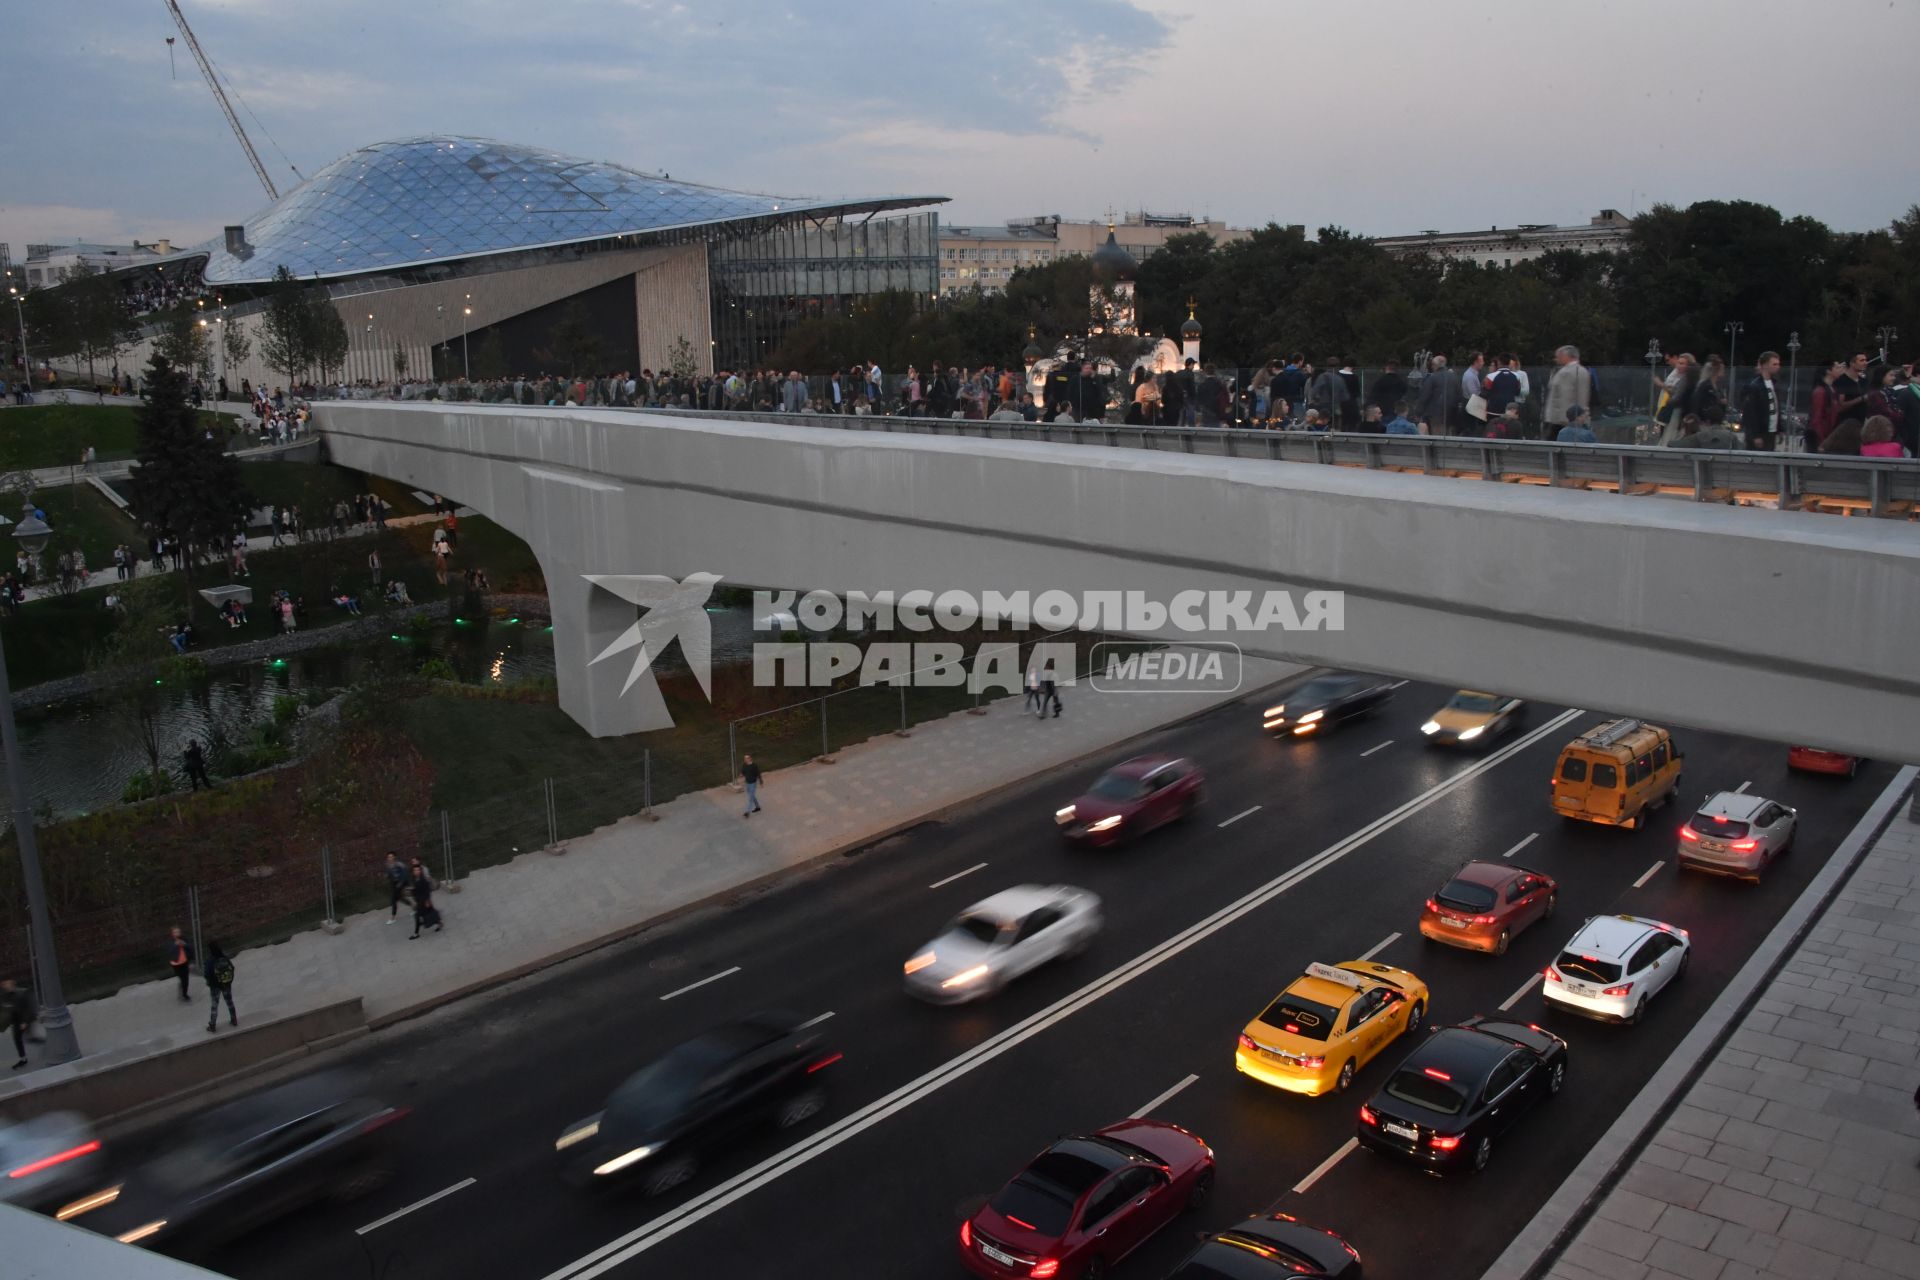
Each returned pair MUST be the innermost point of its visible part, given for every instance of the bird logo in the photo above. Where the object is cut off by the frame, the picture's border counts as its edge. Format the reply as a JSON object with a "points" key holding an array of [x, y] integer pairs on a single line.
{"points": [[674, 610]]}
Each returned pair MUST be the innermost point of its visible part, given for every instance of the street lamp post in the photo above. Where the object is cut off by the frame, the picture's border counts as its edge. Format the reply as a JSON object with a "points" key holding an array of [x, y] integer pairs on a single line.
{"points": [[1887, 335], [26, 361], [1734, 328], [1653, 375], [466, 322], [62, 1045], [1793, 371]]}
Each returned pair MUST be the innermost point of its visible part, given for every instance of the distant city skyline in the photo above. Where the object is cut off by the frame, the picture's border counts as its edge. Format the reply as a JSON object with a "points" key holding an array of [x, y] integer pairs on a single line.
{"points": [[1386, 117]]}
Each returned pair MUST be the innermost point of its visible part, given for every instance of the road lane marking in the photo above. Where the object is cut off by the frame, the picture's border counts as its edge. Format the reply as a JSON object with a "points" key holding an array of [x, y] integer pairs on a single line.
{"points": [[1399, 684], [1741, 789], [1382, 747], [1244, 813], [624, 1248], [1306, 1183], [1648, 874], [1523, 844], [1521, 994], [814, 1022], [1163, 1098], [956, 875], [1381, 945], [397, 1214], [694, 986]]}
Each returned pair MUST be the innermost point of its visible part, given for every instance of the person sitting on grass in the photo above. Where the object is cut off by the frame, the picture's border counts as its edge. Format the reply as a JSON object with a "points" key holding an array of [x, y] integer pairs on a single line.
{"points": [[397, 593], [346, 600], [236, 617]]}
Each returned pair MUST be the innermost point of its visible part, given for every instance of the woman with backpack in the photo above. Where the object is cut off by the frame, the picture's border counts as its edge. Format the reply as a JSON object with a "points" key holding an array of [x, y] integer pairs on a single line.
{"points": [[219, 975], [424, 912]]}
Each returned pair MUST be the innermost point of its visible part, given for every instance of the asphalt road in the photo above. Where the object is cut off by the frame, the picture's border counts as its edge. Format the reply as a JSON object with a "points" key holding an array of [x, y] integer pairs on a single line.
{"points": [[1304, 851]]}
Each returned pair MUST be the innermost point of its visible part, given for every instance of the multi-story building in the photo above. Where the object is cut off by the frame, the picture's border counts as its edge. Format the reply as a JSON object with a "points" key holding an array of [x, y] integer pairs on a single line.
{"points": [[46, 263], [988, 255], [1504, 246]]}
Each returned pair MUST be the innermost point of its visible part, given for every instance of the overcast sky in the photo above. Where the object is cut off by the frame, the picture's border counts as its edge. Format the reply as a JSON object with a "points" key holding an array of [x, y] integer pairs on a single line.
{"points": [[1383, 116]]}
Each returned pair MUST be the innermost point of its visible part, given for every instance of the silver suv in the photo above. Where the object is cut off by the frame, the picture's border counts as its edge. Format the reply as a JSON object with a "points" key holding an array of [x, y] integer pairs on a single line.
{"points": [[1736, 834]]}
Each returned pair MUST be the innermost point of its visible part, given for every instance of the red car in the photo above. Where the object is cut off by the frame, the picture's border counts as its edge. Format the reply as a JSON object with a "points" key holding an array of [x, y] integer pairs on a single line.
{"points": [[1814, 760], [1083, 1204], [1486, 904], [1131, 799]]}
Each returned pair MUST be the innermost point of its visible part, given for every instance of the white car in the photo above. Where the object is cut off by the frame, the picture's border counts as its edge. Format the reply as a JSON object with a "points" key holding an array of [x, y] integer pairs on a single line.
{"points": [[993, 942], [1736, 834], [1615, 965], [50, 1160]]}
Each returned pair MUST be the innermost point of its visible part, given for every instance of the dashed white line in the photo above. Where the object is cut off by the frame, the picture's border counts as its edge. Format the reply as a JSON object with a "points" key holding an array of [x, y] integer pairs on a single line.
{"points": [[956, 875], [1163, 1098], [1399, 684], [1523, 844], [1648, 874], [1242, 814], [814, 1022], [1300, 1187], [1743, 786], [397, 1214], [1382, 747], [1521, 994], [1381, 945], [694, 986]]}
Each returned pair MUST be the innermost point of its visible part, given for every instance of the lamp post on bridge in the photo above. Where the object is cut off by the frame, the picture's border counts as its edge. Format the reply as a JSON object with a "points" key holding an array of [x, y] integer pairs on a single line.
{"points": [[1653, 375], [1887, 333], [1793, 371], [466, 322], [1734, 329]]}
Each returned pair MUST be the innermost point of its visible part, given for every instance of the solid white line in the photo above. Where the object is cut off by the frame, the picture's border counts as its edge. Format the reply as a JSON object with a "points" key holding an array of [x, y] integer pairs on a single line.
{"points": [[814, 1022], [1242, 814], [1519, 995], [1162, 1099], [417, 1204], [1399, 684], [1743, 786], [1523, 844], [1307, 1182], [956, 875], [624, 1248], [1647, 875], [1382, 747], [693, 986], [1381, 945]]}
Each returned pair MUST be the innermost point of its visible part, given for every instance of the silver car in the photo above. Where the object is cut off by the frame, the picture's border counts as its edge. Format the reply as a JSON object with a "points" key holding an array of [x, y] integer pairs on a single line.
{"points": [[993, 942], [1736, 834]]}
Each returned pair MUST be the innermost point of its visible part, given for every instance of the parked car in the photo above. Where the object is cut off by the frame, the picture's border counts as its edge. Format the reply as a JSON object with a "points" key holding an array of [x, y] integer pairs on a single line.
{"points": [[1131, 799], [996, 940], [1486, 904], [1444, 1106]]}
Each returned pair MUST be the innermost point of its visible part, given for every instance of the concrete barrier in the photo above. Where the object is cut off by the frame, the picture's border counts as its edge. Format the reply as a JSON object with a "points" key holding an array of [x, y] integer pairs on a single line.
{"points": [[127, 1081]]}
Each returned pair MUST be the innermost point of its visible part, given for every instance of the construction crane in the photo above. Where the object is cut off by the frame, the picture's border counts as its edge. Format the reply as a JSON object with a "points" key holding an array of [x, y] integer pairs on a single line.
{"points": [[220, 96]]}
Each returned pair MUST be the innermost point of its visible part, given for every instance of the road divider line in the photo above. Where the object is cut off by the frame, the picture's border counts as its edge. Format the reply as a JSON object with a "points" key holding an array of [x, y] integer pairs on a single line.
{"points": [[624, 1248], [1521, 994], [956, 875], [816, 1021], [1382, 747], [1381, 945], [1306, 1184], [1244, 813], [398, 1214], [1648, 874], [1163, 1098], [1741, 789], [1523, 844], [1399, 684], [695, 986]]}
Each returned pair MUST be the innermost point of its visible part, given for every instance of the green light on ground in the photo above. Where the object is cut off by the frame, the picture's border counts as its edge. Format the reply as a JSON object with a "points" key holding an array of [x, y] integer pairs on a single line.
{"points": [[548, 627], [279, 662], [459, 622], [396, 636], [158, 681], [512, 621]]}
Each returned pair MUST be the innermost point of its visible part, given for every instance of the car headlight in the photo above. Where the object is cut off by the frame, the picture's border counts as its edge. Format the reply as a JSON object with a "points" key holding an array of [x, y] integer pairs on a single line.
{"points": [[1468, 735], [87, 1204], [1064, 815], [580, 1134], [965, 976], [620, 1162], [1106, 824], [1311, 716], [141, 1232], [1275, 711], [1431, 726], [919, 962]]}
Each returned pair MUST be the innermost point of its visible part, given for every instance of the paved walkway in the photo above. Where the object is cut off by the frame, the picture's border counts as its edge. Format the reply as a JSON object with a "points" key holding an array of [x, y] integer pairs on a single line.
{"points": [[515, 917], [1793, 1156]]}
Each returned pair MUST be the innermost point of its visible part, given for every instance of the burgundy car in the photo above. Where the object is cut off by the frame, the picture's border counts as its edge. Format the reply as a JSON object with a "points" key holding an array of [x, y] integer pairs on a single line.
{"points": [[1815, 760], [1486, 904], [1083, 1204], [1131, 799]]}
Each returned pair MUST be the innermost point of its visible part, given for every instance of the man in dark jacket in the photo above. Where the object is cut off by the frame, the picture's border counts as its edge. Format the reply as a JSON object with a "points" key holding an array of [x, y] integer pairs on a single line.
{"points": [[1502, 387], [1177, 396], [939, 393], [398, 881], [1329, 393], [179, 958], [16, 1008], [1389, 389], [1439, 393], [1290, 384], [1210, 396], [219, 975], [1760, 404]]}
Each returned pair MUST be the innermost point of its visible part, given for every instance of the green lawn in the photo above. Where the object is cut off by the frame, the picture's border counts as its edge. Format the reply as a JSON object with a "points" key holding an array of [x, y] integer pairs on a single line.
{"points": [[55, 435], [81, 516], [315, 486]]}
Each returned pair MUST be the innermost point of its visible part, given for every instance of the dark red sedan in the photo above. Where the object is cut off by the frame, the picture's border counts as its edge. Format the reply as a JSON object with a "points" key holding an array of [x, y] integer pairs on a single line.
{"points": [[1131, 799], [1083, 1204], [1815, 760], [1486, 904]]}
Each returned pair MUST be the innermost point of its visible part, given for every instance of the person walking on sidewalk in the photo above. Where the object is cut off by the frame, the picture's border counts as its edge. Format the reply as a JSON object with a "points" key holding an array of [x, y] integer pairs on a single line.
{"points": [[424, 912], [399, 880], [1049, 693], [16, 1006], [1033, 702], [219, 976], [179, 959], [750, 778]]}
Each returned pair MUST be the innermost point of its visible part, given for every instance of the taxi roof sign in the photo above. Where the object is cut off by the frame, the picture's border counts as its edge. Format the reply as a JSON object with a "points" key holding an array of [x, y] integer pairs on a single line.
{"points": [[1345, 977]]}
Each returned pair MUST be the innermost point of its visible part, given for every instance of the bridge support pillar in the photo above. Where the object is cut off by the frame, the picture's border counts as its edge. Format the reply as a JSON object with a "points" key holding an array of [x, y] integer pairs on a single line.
{"points": [[586, 619]]}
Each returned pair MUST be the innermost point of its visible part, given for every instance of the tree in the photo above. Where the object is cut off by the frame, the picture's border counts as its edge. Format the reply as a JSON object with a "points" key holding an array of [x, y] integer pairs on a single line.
{"points": [[331, 341], [680, 361], [490, 356], [238, 346], [185, 483], [183, 341], [287, 327], [100, 326], [576, 348], [138, 648]]}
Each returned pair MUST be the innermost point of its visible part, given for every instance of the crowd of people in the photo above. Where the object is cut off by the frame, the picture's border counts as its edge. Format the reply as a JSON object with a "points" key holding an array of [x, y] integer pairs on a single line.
{"points": [[142, 294]]}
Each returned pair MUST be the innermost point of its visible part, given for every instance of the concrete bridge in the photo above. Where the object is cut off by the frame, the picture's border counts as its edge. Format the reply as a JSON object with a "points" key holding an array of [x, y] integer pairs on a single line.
{"points": [[1768, 623]]}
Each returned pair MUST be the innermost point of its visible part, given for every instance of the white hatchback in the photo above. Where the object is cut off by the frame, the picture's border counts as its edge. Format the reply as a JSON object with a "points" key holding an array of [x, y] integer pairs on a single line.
{"points": [[995, 941], [1614, 965], [1737, 834]]}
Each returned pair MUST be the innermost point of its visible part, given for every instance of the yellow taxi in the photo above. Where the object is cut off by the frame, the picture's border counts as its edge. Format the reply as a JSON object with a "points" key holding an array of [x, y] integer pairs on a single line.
{"points": [[1331, 1022], [1472, 718]]}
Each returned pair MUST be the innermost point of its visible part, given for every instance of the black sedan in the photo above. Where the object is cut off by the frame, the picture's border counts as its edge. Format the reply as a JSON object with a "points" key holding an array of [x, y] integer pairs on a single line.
{"points": [[668, 1116], [248, 1163], [1324, 703], [1454, 1095], [1267, 1247]]}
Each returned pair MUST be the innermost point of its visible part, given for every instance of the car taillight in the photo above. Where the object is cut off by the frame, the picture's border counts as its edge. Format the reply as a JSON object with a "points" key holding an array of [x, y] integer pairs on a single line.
{"points": [[1744, 846], [1319, 1061], [1367, 1116], [1246, 1042], [1433, 906], [1617, 991], [1553, 974], [1045, 1268], [1688, 833], [1351, 1251], [1484, 919], [386, 1118], [1444, 1142], [827, 1061], [48, 1162], [966, 1235]]}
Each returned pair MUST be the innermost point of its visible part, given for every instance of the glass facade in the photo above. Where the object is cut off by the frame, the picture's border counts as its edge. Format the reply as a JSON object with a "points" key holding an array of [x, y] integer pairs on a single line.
{"points": [[764, 284]]}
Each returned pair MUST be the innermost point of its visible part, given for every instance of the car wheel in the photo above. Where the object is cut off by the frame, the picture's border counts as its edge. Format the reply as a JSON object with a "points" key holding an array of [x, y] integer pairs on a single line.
{"points": [[1202, 1188], [1680, 970], [1415, 1016], [801, 1107], [1093, 1270], [1346, 1078], [1553, 900], [1482, 1152], [670, 1174], [1556, 1078], [1633, 1014], [1500, 943]]}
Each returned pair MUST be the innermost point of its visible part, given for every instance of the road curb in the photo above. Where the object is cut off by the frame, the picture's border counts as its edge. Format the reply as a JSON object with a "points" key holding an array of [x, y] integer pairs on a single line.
{"points": [[798, 869], [1540, 1243]]}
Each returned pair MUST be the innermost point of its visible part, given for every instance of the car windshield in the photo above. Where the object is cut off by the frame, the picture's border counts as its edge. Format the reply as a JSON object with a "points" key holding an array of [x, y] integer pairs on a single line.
{"points": [[1033, 1204], [1422, 1090], [1465, 895], [1119, 786], [979, 928], [1592, 968], [1709, 825], [1301, 1017], [185, 1168], [659, 1092], [1323, 690], [1473, 702], [1573, 769]]}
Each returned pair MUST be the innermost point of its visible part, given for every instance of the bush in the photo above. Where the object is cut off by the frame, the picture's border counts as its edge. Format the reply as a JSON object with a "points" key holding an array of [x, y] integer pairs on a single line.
{"points": [[145, 786], [437, 668], [316, 696], [286, 708]]}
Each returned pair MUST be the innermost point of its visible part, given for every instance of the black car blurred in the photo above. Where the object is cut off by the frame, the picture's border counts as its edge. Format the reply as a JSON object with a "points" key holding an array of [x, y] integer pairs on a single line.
{"points": [[1325, 702], [669, 1116], [1466, 1086], [49, 1161], [1268, 1246], [249, 1162]]}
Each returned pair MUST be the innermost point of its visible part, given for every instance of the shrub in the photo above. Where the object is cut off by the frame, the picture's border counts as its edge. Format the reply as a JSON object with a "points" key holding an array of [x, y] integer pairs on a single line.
{"points": [[145, 786], [437, 668], [286, 708]]}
